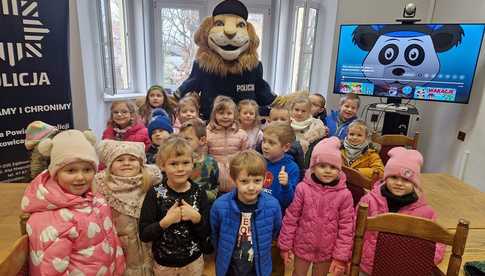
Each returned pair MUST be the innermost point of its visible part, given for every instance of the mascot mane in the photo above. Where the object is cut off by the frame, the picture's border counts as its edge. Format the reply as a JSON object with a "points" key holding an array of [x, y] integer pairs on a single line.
{"points": [[213, 63]]}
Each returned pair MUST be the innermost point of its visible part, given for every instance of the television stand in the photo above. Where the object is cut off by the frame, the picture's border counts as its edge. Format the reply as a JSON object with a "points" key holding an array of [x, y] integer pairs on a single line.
{"points": [[398, 118]]}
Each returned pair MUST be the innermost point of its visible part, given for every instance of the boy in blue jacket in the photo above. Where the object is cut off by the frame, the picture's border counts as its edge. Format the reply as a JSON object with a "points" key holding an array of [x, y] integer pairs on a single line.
{"points": [[338, 121], [244, 222]]}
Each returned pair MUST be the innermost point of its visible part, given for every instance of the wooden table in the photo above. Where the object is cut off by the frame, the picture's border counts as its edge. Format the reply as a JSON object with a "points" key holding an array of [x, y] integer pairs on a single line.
{"points": [[10, 197], [453, 199]]}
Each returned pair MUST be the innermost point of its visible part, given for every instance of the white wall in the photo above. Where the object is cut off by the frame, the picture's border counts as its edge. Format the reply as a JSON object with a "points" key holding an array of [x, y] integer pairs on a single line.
{"points": [[440, 122]]}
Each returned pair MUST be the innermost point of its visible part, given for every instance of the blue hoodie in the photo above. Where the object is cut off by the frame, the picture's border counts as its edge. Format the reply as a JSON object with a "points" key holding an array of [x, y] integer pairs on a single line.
{"points": [[284, 194], [335, 128]]}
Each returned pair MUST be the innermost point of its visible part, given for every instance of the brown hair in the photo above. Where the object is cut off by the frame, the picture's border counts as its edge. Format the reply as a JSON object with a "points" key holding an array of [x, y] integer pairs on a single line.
{"points": [[173, 146], [222, 103], [350, 97], [279, 107], [146, 108], [249, 160], [362, 124], [197, 125], [253, 104], [131, 108], [284, 132], [322, 99], [188, 100]]}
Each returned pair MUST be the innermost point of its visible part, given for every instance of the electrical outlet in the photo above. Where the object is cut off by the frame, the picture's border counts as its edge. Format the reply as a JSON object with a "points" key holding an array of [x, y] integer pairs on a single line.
{"points": [[374, 118], [461, 136]]}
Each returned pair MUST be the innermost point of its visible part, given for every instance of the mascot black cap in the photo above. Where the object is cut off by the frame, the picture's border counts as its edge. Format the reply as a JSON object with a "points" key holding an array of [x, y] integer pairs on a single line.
{"points": [[231, 7]]}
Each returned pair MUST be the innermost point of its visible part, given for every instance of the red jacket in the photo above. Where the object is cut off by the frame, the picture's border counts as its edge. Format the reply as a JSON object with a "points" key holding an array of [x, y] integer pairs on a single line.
{"points": [[378, 205], [319, 224], [136, 133]]}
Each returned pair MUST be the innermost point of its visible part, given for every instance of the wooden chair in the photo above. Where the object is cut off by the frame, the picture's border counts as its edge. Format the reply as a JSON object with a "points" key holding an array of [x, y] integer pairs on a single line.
{"points": [[390, 141], [17, 260], [399, 231], [357, 183], [23, 220]]}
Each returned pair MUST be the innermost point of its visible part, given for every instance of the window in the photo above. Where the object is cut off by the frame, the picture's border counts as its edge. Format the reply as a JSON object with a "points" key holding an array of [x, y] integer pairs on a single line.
{"points": [[176, 29], [116, 46], [303, 41]]}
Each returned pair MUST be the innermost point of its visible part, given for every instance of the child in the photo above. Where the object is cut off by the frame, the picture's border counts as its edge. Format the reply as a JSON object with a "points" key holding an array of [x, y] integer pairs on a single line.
{"points": [[124, 184], [187, 108], [156, 98], [307, 129], [318, 226], [159, 129], [225, 138], [124, 124], [399, 192], [318, 107], [283, 173], [206, 171], [359, 154], [245, 221], [70, 229], [339, 121], [35, 133], [251, 122], [174, 214]]}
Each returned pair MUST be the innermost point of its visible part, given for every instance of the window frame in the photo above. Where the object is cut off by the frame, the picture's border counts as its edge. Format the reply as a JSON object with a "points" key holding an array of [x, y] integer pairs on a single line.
{"points": [[265, 57]]}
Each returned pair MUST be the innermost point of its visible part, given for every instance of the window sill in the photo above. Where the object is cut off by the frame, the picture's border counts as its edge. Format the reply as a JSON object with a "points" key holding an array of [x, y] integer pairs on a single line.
{"points": [[122, 96]]}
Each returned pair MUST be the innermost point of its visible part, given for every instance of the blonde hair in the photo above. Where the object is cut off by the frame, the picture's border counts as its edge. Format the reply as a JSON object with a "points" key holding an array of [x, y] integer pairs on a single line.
{"points": [[222, 103], [350, 97], [361, 124], [189, 100], [284, 132], [253, 104], [173, 146], [197, 125], [250, 161], [131, 108], [301, 99]]}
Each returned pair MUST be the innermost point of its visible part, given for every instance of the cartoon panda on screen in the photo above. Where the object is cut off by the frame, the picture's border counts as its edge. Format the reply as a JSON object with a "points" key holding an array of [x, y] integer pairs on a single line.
{"points": [[402, 56]]}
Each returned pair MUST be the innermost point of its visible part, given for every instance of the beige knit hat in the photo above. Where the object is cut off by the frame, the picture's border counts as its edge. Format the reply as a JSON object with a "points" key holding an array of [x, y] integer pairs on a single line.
{"points": [[109, 150], [67, 147]]}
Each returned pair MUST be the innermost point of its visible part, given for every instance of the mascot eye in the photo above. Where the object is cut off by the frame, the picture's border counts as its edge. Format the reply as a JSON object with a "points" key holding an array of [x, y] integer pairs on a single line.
{"points": [[241, 24], [414, 54], [388, 54], [219, 23]]}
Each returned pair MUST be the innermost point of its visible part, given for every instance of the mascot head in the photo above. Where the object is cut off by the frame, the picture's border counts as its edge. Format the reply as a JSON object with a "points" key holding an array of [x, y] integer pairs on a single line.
{"points": [[399, 54], [227, 42]]}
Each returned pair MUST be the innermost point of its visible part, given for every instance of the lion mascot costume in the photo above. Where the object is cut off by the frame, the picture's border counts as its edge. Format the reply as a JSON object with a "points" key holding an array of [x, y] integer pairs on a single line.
{"points": [[226, 62]]}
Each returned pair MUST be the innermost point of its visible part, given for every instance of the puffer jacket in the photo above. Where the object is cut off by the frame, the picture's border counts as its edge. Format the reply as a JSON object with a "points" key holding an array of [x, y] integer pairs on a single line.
{"points": [[225, 219], [378, 205], [367, 164], [319, 224], [69, 234], [137, 133], [223, 144]]}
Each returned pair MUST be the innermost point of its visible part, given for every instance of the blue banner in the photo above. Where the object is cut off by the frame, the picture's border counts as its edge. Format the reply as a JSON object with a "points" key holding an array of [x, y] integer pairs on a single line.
{"points": [[34, 77]]}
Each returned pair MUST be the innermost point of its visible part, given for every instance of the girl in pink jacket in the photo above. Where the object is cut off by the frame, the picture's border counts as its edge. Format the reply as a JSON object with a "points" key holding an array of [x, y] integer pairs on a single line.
{"points": [[225, 138], [400, 192], [318, 227], [125, 125], [70, 229]]}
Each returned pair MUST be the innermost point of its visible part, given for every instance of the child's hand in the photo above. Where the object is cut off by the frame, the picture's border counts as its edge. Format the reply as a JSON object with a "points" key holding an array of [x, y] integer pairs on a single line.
{"points": [[283, 176], [337, 268], [189, 213], [287, 257], [173, 216]]}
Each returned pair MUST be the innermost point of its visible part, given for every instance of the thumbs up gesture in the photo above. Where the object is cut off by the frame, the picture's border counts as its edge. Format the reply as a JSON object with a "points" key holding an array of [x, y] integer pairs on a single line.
{"points": [[283, 176]]}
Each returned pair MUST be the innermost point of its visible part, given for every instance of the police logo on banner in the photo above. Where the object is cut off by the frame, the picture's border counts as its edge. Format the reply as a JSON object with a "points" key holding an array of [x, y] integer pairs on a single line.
{"points": [[34, 76]]}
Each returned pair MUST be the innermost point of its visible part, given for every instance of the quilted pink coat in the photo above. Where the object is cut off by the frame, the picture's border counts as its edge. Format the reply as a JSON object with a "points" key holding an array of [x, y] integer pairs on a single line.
{"points": [[69, 234], [378, 205], [137, 133], [223, 144], [319, 224]]}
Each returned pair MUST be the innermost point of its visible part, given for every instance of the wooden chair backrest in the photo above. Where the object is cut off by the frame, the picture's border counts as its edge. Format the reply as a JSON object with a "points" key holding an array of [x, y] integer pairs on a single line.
{"points": [[409, 226], [16, 261], [356, 178], [389, 141]]}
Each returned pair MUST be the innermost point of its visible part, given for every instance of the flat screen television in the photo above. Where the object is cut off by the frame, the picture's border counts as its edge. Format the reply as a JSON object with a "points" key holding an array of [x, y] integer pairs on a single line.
{"points": [[432, 62]]}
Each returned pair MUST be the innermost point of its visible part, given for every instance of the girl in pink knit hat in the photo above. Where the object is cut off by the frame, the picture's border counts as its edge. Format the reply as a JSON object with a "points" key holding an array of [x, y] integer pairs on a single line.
{"points": [[399, 192], [318, 227]]}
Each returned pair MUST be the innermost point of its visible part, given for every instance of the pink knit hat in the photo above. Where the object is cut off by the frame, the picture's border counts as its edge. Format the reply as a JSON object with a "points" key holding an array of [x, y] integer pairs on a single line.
{"points": [[327, 151], [404, 163]]}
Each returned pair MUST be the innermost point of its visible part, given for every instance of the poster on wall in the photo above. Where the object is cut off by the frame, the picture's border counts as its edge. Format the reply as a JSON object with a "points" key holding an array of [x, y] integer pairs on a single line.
{"points": [[34, 77]]}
